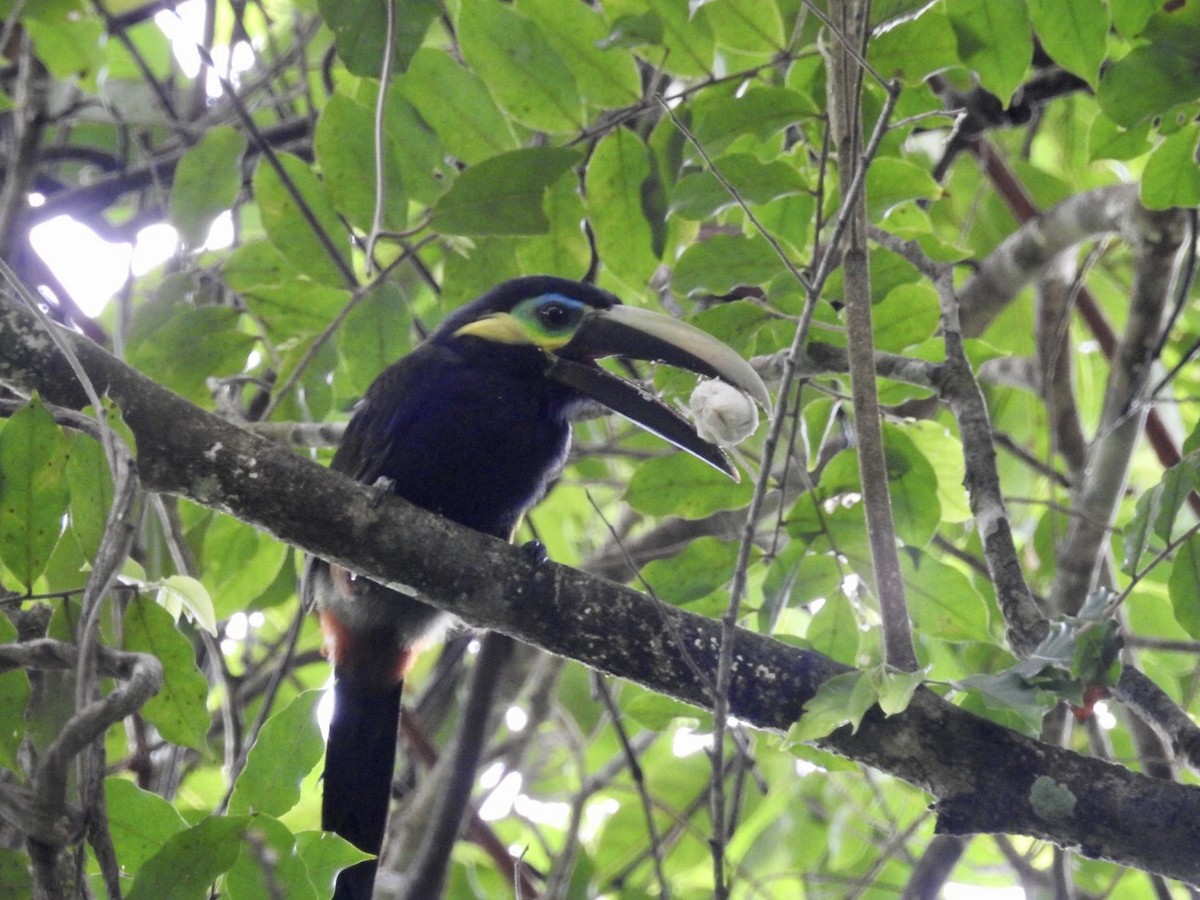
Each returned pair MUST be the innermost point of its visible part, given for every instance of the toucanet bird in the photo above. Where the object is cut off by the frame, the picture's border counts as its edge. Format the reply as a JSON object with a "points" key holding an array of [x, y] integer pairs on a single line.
{"points": [[474, 424]]}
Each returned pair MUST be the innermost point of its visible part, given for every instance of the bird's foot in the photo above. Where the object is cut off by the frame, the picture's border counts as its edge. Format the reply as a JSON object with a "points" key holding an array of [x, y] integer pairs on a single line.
{"points": [[535, 552], [381, 488]]}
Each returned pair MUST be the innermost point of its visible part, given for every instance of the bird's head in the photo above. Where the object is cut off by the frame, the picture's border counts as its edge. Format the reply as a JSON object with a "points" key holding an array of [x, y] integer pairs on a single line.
{"points": [[569, 326]]}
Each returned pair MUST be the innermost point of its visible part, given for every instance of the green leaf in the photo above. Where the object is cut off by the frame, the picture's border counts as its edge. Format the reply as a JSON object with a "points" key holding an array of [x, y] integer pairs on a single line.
{"points": [[479, 268], [607, 76], [896, 689], [521, 69], [276, 866], [912, 484], [290, 230], [179, 710], [748, 26], [239, 563], [907, 315], [564, 250], [1156, 512], [658, 712], [1146, 83], [633, 31], [700, 195], [140, 822], [345, 145], [913, 49], [842, 529], [891, 180], [1172, 175], [503, 195], [683, 42], [456, 104], [182, 593], [994, 39], [1176, 27], [1184, 586], [1138, 533], [1074, 33], [297, 307], [760, 111], [617, 171], [191, 860], [206, 184], [324, 855], [1096, 661], [419, 153], [1009, 692], [1130, 16], [15, 880], [163, 344], [1173, 491], [737, 323], [90, 483], [701, 567], [681, 485], [360, 29], [71, 49], [15, 877], [943, 450], [724, 262], [790, 220], [1107, 140], [1076, 654], [373, 336], [796, 577], [257, 263], [288, 748], [33, 490], [942, 602], [148, 49], [14, 697], [841, 700], [835, 630]]}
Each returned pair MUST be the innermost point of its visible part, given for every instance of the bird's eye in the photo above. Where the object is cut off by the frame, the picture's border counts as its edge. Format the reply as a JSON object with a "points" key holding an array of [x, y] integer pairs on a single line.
{"points": [[555, 315]]}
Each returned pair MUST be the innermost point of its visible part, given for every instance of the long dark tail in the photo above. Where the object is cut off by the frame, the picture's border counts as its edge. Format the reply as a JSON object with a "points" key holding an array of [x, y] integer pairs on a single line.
{"points": [[359, 761]]}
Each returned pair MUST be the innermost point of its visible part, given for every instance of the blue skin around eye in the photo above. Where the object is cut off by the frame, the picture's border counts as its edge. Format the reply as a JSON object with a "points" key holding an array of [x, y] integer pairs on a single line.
{"points": [[529, 308]]}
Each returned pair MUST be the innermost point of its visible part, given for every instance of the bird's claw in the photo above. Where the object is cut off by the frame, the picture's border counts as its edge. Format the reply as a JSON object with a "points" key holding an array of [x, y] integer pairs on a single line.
{"points": [[380, 489], [535, 552]]}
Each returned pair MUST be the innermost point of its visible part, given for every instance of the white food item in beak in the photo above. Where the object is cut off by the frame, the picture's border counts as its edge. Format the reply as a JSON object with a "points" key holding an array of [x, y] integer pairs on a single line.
{"points": [[722, 414]]}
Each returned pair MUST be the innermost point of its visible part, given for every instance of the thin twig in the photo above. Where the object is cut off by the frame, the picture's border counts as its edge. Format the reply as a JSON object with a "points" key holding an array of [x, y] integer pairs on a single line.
{"points": [[639, 783], [335, 254], [267, 705], [320, 340], [784, 257], [381, 160]]}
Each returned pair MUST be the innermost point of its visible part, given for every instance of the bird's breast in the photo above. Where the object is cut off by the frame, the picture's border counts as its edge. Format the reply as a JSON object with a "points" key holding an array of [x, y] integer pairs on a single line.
{"points": [[483, 454]]}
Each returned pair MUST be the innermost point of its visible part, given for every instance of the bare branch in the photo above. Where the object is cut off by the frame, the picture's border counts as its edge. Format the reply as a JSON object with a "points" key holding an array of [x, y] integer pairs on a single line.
{"points": [[1155, 239]]}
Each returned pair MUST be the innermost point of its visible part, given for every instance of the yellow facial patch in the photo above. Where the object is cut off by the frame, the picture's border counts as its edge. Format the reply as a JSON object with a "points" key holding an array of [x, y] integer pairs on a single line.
{"points": [[547, 322], [499, 327]]}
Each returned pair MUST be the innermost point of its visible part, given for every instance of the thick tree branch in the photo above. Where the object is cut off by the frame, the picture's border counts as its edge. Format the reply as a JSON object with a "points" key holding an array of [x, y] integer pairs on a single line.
{"points": [[1026, 253], [1155, 238], [1056, 364], [1027, 626], [1021, 205], [984, 777]]}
